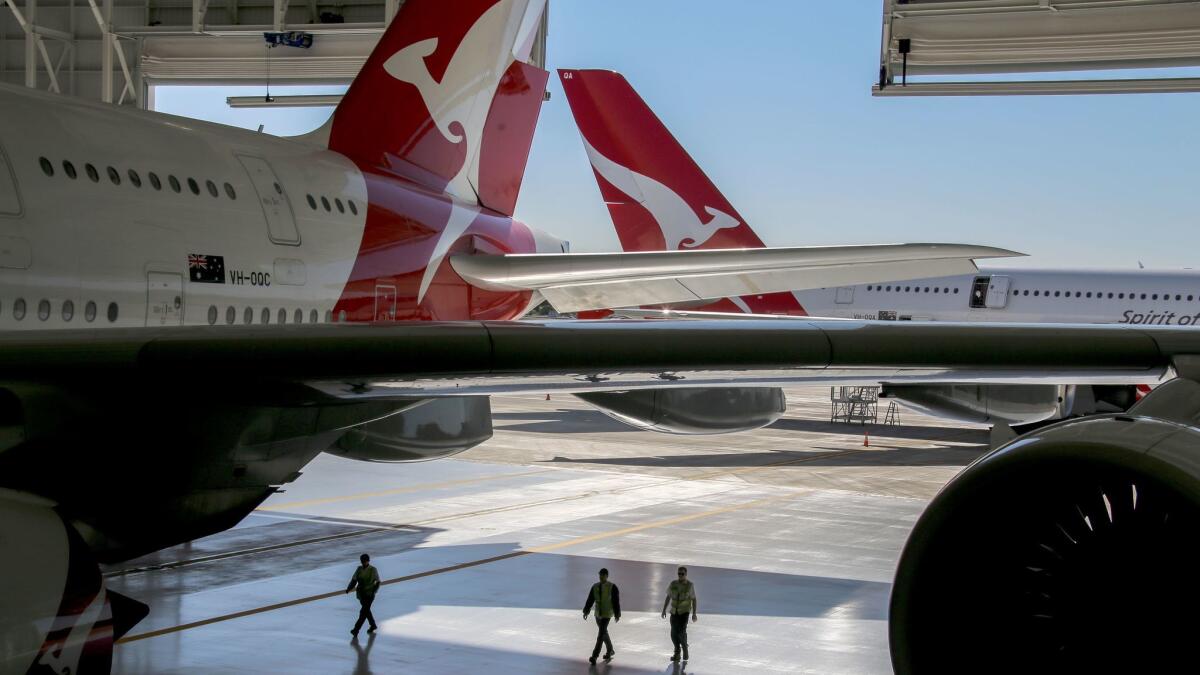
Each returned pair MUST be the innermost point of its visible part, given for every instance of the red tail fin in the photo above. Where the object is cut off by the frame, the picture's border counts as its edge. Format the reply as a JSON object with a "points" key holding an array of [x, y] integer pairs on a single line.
{"points": [[658, 197], [448, 98]]}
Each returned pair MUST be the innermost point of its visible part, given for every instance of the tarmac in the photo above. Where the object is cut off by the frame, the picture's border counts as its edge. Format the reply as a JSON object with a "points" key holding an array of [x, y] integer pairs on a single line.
{"points": [[790, 533]]}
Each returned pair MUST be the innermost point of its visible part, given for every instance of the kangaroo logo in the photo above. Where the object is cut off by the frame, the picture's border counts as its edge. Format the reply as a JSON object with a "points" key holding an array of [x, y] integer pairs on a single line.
{"points": [[680, 226], [459, 102]]}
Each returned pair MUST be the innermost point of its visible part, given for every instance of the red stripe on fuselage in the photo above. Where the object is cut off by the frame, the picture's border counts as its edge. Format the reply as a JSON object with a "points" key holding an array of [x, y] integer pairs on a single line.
{"points": [[404, 222]]}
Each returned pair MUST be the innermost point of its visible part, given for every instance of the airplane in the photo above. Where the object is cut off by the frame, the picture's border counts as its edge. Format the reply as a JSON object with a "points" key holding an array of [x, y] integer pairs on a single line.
{"points": [[189, 313], [659, 199]]}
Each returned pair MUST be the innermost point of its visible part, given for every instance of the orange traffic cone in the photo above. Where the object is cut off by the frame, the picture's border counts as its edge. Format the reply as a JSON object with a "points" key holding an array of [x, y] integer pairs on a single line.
{"points": [[866, 438]]}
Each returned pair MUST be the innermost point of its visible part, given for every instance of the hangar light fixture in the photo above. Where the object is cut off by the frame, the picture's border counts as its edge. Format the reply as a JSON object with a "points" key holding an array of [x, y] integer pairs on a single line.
{"points": [[305, 101]]}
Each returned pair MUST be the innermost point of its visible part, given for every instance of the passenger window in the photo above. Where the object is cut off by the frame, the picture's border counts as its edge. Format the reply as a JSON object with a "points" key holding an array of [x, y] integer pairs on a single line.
{"points": [[68, 310], [282, 315], [312, 316], [299, 317], [353, 208], [230, 315], [114, 176], [889, 288], [266, 316], [935, 289], [47, 167], [19, 309], [193, 186], [340, 208], [1089, 294], [212, 188], [154, 181], [229, 191], [1035, 294], [212, 315], [44, 310], [1056, 294], [112, 312], [69, 169], [1121, 296], [325, 203], [135, 179], [1153, 297], [248, 316], [92, 173], [89, 311], [174, 183]]}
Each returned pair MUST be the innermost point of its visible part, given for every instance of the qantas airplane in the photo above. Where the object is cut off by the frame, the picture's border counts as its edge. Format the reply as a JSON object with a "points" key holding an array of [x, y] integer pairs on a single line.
{"points": [[649, 183], [189, 313]]}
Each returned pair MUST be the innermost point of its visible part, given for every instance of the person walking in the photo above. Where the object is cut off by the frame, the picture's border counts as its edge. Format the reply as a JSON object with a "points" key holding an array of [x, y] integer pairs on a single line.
{"points": [[366, 580], [681, 599], [606, 598]]}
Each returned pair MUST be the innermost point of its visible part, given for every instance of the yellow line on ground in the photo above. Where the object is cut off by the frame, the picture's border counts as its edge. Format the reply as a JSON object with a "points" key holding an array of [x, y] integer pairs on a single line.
{"points": [[474, 563], [397, 491]]}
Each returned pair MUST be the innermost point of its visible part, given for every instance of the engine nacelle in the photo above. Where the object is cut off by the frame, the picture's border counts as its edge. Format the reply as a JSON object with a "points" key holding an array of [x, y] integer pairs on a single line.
{"points": [[1070, 549], [57, 616], [1011, 404], [437, 427], [692, 410]]}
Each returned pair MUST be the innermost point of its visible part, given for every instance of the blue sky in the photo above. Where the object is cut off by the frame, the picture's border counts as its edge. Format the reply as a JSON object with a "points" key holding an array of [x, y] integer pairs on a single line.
{"points": [[772, 99]]}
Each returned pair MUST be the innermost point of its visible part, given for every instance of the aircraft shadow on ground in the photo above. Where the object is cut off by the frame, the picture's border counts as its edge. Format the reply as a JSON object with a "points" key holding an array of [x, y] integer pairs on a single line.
{"points": [[560, 421], [570, 421], [784, 459], [956, 434]]}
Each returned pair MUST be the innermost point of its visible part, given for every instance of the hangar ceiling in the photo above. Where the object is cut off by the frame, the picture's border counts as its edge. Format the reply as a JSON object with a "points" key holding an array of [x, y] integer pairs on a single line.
{"points": [[116, 50], [1018, 37]]}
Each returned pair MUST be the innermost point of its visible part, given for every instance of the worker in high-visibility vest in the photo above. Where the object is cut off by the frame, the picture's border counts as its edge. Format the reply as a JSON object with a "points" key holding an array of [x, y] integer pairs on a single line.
{"points": [[606, 598], [681, 599], [365, 583]]}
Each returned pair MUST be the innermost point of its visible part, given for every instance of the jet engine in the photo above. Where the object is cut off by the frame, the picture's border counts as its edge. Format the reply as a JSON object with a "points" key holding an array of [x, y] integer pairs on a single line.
{"points": [[986, 403], [57, 616], [434, 428], [692, 410], [1071, 549]]}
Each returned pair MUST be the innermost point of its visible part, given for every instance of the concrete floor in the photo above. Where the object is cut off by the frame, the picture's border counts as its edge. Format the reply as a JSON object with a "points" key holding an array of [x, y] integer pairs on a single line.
{"points": [[790, 533]]}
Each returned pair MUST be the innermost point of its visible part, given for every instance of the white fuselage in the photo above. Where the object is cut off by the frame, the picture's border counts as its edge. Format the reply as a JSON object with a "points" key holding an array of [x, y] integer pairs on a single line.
{"points": [[1139, 297]]}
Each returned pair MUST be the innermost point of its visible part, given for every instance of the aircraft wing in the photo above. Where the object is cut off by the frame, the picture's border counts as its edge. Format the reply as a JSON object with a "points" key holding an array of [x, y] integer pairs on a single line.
{"points": [[416, 360], [574, 282]]}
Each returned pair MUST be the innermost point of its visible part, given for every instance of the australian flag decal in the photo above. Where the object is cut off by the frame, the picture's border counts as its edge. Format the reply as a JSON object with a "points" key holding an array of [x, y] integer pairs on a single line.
{"points": [[206, 269]]}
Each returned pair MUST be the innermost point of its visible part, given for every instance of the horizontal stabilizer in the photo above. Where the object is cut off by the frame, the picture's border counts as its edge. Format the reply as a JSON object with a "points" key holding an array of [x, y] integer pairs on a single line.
{"points": [[574, 282]]}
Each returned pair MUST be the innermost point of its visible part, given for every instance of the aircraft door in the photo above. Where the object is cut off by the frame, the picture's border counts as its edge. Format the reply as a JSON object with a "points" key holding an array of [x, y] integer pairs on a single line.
{"points": [[281, 222], [844, 295], [385, 303], [164, 299], [10, 201], [997, 294]]}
